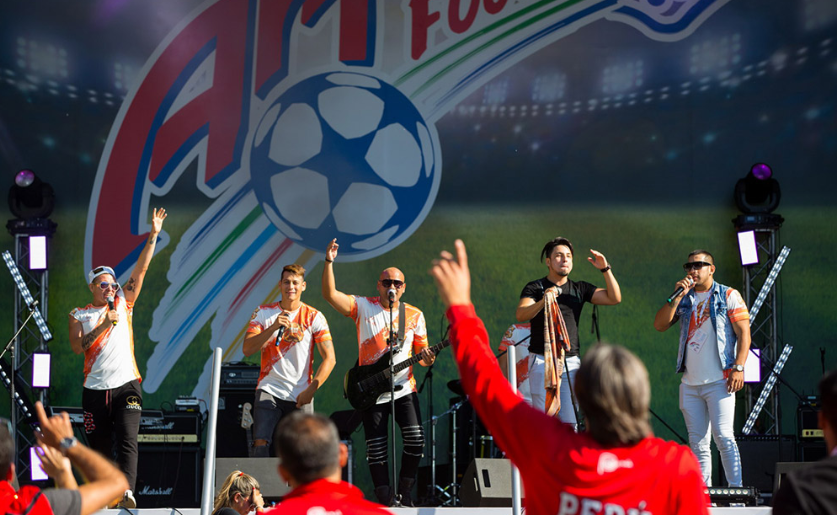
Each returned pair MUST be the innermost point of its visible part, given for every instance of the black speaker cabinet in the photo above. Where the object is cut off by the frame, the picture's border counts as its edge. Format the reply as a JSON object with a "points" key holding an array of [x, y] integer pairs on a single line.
{"points": [[169, 476], [759, 456], [263, 469], [812, 450], [487, 483], [231, 437]]}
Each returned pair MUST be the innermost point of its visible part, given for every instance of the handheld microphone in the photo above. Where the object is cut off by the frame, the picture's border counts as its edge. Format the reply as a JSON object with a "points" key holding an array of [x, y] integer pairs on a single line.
{"points": [[678, 291], [391, 294], [279, 334], [110, 305]]}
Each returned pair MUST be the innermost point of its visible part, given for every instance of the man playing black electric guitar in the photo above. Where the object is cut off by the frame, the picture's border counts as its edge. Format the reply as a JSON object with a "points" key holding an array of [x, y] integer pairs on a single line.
{"points": [[372, 317]]}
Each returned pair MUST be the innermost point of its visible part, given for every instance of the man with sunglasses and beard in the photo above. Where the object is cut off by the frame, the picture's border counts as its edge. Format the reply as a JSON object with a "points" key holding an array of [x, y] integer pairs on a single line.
{"points": [[372, 318], [714, 343], [103, 331]]}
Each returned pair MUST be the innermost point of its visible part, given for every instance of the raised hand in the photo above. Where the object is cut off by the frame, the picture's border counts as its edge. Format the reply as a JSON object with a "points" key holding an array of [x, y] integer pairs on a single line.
{"points": [[598, 260], [331, 251], [157, 218], [453, 278]]}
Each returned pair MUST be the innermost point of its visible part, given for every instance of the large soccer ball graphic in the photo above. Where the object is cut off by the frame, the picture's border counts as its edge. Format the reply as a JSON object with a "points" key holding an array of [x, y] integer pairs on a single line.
{"points": [[347, 156]]}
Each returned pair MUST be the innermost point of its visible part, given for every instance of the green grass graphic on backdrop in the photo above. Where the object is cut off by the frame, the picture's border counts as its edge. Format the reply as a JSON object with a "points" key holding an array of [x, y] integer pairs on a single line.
{"points": [[645, 246]]}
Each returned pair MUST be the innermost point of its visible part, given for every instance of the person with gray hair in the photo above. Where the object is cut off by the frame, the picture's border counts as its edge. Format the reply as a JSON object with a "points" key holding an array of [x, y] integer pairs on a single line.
{"points": [[617, 467], [311, 458]]}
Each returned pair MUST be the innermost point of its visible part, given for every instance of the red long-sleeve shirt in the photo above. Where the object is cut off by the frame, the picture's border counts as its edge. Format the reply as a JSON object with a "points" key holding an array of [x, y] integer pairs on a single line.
{"points": [[563, 472]]}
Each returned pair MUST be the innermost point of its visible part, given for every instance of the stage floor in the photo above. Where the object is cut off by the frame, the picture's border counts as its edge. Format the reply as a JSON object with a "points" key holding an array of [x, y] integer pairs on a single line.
{"points": [[761, 510]]}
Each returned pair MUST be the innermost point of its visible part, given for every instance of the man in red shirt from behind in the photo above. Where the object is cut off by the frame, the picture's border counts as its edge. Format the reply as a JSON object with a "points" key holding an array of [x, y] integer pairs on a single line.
{"points": [[310, 460], [617, 467]]}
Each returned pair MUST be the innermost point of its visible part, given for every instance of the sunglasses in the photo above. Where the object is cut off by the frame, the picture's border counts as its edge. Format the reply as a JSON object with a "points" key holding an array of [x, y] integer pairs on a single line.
{"points": [[392, 282], [696, 265], [105, 285]]}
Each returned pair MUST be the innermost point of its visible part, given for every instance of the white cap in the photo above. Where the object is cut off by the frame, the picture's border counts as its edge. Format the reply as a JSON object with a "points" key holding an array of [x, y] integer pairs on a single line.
{"points": [[100, 270]]}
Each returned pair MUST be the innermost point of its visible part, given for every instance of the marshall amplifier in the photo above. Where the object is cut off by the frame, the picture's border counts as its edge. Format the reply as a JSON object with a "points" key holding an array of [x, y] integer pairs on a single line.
{"points": [[239, 377], [807, 420], [169, 476], [171, 429]]}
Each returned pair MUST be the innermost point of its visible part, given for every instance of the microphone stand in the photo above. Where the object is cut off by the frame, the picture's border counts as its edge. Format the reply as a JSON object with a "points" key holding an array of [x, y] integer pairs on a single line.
{"points": [[396, 497], [428, 379]]}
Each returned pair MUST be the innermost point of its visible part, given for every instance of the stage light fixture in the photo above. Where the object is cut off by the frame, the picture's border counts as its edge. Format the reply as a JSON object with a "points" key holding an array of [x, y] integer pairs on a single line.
{"points": [[30, 197], [27, 296], [41, 369], [758, 192], [752, 367], [37, 253], [747, 248], [36, 472]]}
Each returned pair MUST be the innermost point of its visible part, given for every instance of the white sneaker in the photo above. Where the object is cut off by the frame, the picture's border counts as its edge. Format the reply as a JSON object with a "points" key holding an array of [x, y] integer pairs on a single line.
{"points": [[127, 501]]}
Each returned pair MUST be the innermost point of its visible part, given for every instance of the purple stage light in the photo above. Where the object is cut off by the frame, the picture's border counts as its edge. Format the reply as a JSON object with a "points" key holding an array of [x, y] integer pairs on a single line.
{"points": [[761, 171], [25, 178]]}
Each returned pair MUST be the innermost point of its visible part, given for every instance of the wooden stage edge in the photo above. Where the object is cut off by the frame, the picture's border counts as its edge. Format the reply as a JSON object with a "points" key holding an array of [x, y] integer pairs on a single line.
{"points": [[760, 510]]}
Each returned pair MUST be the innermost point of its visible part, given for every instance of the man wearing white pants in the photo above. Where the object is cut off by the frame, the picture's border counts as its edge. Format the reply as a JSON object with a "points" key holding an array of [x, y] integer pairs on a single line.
{"points": [[714, 342], [571, 297]]}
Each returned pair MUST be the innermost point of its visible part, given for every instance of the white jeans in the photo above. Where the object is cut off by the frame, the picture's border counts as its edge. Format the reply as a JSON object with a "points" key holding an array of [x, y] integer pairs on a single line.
{"points": [[706, 406], [538, 393]]}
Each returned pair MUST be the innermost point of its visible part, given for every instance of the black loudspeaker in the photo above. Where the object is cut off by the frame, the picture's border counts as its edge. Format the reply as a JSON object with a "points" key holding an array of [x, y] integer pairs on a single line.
{"points": [[783, 468], [814, 450], [487, 483], [263, 469], [169, 476], [231, 437], [759, 456]]}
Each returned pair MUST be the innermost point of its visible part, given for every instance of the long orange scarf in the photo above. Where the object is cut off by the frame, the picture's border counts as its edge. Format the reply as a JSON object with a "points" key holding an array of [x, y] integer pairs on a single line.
{"points": [[555, 342]]}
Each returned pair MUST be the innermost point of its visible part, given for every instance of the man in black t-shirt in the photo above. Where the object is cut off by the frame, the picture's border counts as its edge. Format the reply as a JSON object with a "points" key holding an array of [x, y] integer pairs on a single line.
{"points": [[558, 254]]}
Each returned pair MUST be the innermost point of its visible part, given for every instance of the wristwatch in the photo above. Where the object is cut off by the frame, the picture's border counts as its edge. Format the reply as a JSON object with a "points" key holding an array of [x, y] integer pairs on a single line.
{"points": [[67, 444], [738, 368]]}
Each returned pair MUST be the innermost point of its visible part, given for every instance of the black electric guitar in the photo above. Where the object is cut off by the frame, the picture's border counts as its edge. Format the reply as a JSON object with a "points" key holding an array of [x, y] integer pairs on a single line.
{"points": [[363, 384]]}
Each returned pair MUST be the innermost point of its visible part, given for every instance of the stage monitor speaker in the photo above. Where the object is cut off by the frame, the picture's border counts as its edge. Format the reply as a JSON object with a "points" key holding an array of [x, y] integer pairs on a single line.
{"points": [[231, 437], [169, 476], [487, 483], [263, 469], [759, 456], [782, 468]]}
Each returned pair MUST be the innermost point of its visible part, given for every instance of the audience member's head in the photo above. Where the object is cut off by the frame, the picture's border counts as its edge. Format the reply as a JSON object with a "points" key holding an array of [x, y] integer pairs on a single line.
{"points": [[7, 450], [240, 492], [613, 391], [828, 413], [308, 448]]}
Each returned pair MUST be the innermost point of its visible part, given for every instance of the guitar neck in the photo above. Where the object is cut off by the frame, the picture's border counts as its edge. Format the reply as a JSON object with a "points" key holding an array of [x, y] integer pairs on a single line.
{"points": [[415, 359]]}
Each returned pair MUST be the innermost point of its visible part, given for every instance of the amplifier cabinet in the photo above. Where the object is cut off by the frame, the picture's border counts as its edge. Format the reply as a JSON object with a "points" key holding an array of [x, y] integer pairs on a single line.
{"points": [[169, 476]]}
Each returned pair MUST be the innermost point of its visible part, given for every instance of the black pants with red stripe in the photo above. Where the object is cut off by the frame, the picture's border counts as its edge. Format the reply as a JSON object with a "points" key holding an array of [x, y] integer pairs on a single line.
{"points": [[113, 417]]}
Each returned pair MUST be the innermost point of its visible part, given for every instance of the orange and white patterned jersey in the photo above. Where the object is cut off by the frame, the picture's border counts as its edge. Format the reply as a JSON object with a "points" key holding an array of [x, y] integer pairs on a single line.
{"points": [[372, 322], [288, 368], [109, 362], [519, 334]]}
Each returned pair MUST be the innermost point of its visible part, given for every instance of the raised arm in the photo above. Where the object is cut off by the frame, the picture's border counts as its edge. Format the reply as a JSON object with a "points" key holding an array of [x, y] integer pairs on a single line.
{"points": [[134, 285], [665, 316], [338, 300], [105, 481], [611, 294], [505, 413]]}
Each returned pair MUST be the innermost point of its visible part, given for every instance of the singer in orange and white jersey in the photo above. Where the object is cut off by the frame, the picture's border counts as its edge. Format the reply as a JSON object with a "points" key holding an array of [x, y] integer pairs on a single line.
{"points": [[372, 318], [286, 333], [103, 331]]}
